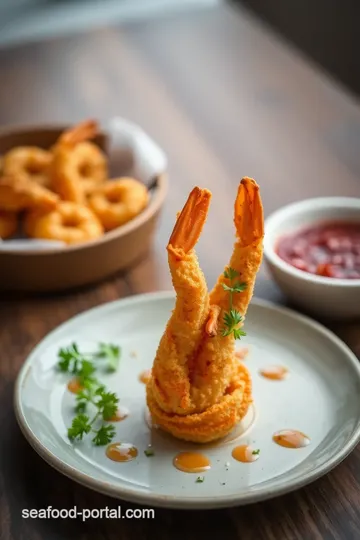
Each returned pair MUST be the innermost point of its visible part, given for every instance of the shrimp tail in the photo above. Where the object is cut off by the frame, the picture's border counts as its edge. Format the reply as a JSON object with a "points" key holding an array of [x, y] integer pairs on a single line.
{"points": [[81, 132], [248, 249], [189, 223], [248, 216]]}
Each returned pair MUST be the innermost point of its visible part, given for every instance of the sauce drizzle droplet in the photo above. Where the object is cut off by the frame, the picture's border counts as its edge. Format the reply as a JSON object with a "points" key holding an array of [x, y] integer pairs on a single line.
{"points": [[121, 414], [144, 376], [245, 453], [290, 438], [191, 462], [242, 353], [121, 452], [274, 373], [74, 386]]}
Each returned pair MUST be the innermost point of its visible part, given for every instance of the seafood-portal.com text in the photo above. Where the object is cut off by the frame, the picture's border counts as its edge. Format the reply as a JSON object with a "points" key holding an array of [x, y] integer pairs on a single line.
{"points": [[86, 513]]}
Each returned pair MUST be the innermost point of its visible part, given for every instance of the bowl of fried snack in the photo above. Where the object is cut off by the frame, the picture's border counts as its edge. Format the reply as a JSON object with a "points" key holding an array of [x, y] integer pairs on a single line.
{"points": [[77, 203]]}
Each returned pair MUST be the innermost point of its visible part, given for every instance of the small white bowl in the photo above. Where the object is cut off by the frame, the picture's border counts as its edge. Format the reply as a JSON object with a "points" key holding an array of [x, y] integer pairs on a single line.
{"points": [[330, 297]]}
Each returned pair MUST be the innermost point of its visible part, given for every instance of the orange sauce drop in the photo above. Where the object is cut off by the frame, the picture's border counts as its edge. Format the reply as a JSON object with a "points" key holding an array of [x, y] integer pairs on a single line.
{"points": [[290, 438], [121, 414], [121, 452], [242, 353], [245, 453], [275, 373], [74, 386], [144, 376], [191, 462]]}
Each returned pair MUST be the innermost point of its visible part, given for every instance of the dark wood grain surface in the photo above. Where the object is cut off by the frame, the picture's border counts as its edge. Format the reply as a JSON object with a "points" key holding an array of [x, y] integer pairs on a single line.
{"points": [[224, 99]]}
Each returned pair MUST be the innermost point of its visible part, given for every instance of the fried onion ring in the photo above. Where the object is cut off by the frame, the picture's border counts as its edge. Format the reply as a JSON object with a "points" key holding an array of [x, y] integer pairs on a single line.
{"points": [[118, 201], [18, 194], [69, 222], [28, 162]]}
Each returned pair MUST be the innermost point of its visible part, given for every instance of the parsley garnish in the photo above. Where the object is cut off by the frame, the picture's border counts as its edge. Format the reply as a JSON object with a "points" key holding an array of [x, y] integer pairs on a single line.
{"points": [[200, 479], [93, 393], [256, 452], [79, 427], [111, 353], [104, 435], [149, 452], [232, 318], [72, 361]]}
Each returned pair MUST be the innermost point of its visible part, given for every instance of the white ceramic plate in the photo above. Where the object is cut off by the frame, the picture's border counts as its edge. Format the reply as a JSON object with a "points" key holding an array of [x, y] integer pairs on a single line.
{"points": [[321, 397]]}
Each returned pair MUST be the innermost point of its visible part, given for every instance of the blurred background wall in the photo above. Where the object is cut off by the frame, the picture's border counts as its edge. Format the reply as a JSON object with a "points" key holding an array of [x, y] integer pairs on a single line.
{"points": [[326, 30], [23, 21]]}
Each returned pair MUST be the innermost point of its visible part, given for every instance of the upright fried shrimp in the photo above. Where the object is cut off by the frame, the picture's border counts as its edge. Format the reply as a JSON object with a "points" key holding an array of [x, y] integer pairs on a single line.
{"points": [[118, 201], [171, 371], [247, 254], [8, 224], [18, 194], [78, 166], [198, 389], [28, 162], [215, 359], [69, 222]]}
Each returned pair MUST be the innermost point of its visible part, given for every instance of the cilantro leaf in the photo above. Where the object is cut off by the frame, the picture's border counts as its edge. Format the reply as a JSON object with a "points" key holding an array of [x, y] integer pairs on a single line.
{"points": [[79, 427], [230, 273], [69, 359], [238, 333], [93, 393], [226, 287], [110, 353], [239, 286], [104, 435], [80, 408], [86, 372], [107, 404]]}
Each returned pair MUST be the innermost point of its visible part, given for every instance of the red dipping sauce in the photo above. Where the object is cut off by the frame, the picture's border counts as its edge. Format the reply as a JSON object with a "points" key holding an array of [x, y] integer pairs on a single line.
{"points": [[328, 249]]}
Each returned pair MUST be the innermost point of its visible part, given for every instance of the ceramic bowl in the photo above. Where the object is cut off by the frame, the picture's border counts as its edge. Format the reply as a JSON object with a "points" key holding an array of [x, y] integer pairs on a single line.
{"points": [[35, 266], [327, 297]]}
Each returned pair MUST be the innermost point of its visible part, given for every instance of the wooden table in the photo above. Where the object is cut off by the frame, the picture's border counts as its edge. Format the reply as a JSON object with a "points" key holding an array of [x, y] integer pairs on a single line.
{"points": [[224, 98]]}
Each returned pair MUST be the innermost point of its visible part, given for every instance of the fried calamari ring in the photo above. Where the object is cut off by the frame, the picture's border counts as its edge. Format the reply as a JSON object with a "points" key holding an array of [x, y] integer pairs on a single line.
{"points": [[28, 162], [78, 166], [18, 194], [215, 422], [69, 222], [118, 201], [8, 224]]}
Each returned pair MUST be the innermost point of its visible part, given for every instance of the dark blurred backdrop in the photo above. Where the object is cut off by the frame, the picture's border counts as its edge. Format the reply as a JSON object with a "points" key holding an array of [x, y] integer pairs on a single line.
{"points": [[326, 30]]}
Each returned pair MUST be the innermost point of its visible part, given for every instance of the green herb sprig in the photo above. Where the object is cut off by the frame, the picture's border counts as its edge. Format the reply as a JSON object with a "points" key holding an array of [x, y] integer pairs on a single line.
{"points": [[232, 318], [256, 452], [72, 360], [94, 394]]}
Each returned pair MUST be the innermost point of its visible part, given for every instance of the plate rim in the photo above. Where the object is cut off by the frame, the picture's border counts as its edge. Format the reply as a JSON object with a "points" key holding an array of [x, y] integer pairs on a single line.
{"points": [[171, 501]]}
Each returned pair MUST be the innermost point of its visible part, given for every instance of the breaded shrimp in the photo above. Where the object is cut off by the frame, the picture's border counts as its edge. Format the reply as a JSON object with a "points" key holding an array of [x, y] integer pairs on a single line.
{"points": [[184, 331], [78, 166], [198, 389], [214, 363], [17, 194]]}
